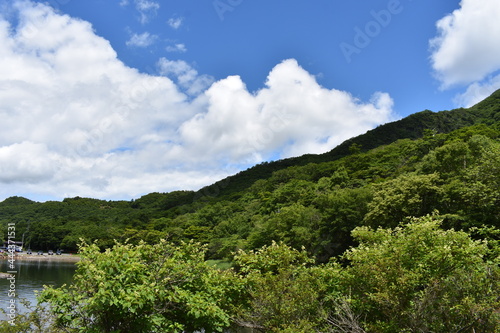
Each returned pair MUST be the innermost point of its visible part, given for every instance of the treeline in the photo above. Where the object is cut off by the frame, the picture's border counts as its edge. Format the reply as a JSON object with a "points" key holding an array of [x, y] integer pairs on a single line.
{"points": [[416, 277], [412, 127]]}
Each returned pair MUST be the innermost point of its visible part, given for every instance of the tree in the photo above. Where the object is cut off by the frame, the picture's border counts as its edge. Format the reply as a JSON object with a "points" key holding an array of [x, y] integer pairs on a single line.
{"points": [[407, 195], [470, 172], [343, 210], [144, 288], [295, 225], [420, 278], [285, 291]]}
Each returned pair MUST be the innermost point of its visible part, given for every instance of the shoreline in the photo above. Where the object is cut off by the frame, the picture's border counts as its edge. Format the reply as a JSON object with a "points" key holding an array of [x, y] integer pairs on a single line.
{"points": [[44, 257]]}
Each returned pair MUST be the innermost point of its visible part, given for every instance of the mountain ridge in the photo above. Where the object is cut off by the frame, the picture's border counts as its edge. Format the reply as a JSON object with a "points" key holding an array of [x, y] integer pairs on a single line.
{"points": [[410, 127]]}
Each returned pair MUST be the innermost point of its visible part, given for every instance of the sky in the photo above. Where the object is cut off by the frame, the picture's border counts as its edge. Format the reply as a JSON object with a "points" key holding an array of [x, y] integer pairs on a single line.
{"points": [[114, 99]]}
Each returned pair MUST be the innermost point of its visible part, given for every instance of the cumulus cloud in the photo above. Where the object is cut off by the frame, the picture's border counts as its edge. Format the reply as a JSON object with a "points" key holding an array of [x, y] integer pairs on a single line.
{"points": [[292, 114], [142, 40], [67, 101], [74, 120], [467, 47], [466, 50]]}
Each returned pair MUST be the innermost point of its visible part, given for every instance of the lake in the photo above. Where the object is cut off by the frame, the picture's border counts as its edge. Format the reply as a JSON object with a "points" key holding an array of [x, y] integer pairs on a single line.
{"points": [[32, 275]]}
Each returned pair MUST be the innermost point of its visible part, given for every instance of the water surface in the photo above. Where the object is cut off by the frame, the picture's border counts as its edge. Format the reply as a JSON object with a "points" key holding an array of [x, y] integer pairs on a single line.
{"points": [[33, 275]]}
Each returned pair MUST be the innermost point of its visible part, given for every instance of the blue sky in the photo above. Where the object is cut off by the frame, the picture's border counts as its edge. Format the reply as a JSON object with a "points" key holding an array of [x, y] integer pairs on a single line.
{"points": [[249, 38], [117, 98]]}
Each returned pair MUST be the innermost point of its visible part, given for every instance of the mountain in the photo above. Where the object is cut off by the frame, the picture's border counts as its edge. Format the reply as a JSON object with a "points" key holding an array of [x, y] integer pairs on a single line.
{"points": [[411, 127]]}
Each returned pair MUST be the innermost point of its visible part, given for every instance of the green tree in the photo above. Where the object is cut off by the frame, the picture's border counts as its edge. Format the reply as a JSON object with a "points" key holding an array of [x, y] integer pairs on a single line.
{"points": [[342, 210], [481, 193], [295, 225], [144, 288], [420, 278], [285, 291], [407, 195]]}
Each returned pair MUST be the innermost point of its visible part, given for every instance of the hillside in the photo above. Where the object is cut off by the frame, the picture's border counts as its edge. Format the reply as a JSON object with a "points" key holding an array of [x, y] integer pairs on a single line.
{"points": [[411, 127], [446, 162]]}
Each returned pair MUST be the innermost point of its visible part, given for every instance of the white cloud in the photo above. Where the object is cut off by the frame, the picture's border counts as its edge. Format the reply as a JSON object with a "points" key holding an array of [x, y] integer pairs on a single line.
{"points": [[292, 114], [466, 50], [467, 47], [147, 9], [74, 120], [145, 5], [186, 76], [178, 48], [142, 40], [27, 162], [478, 91], [175, 23], [67, 100]]}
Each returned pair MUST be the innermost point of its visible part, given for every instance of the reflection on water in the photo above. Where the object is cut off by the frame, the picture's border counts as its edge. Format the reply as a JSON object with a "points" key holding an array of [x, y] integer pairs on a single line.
{"points": [[33, 275]]}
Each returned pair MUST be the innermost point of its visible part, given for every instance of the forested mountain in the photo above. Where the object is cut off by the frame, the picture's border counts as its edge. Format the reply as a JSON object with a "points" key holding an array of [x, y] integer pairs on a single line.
{"points": [[411, 127], [446, 161]]}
